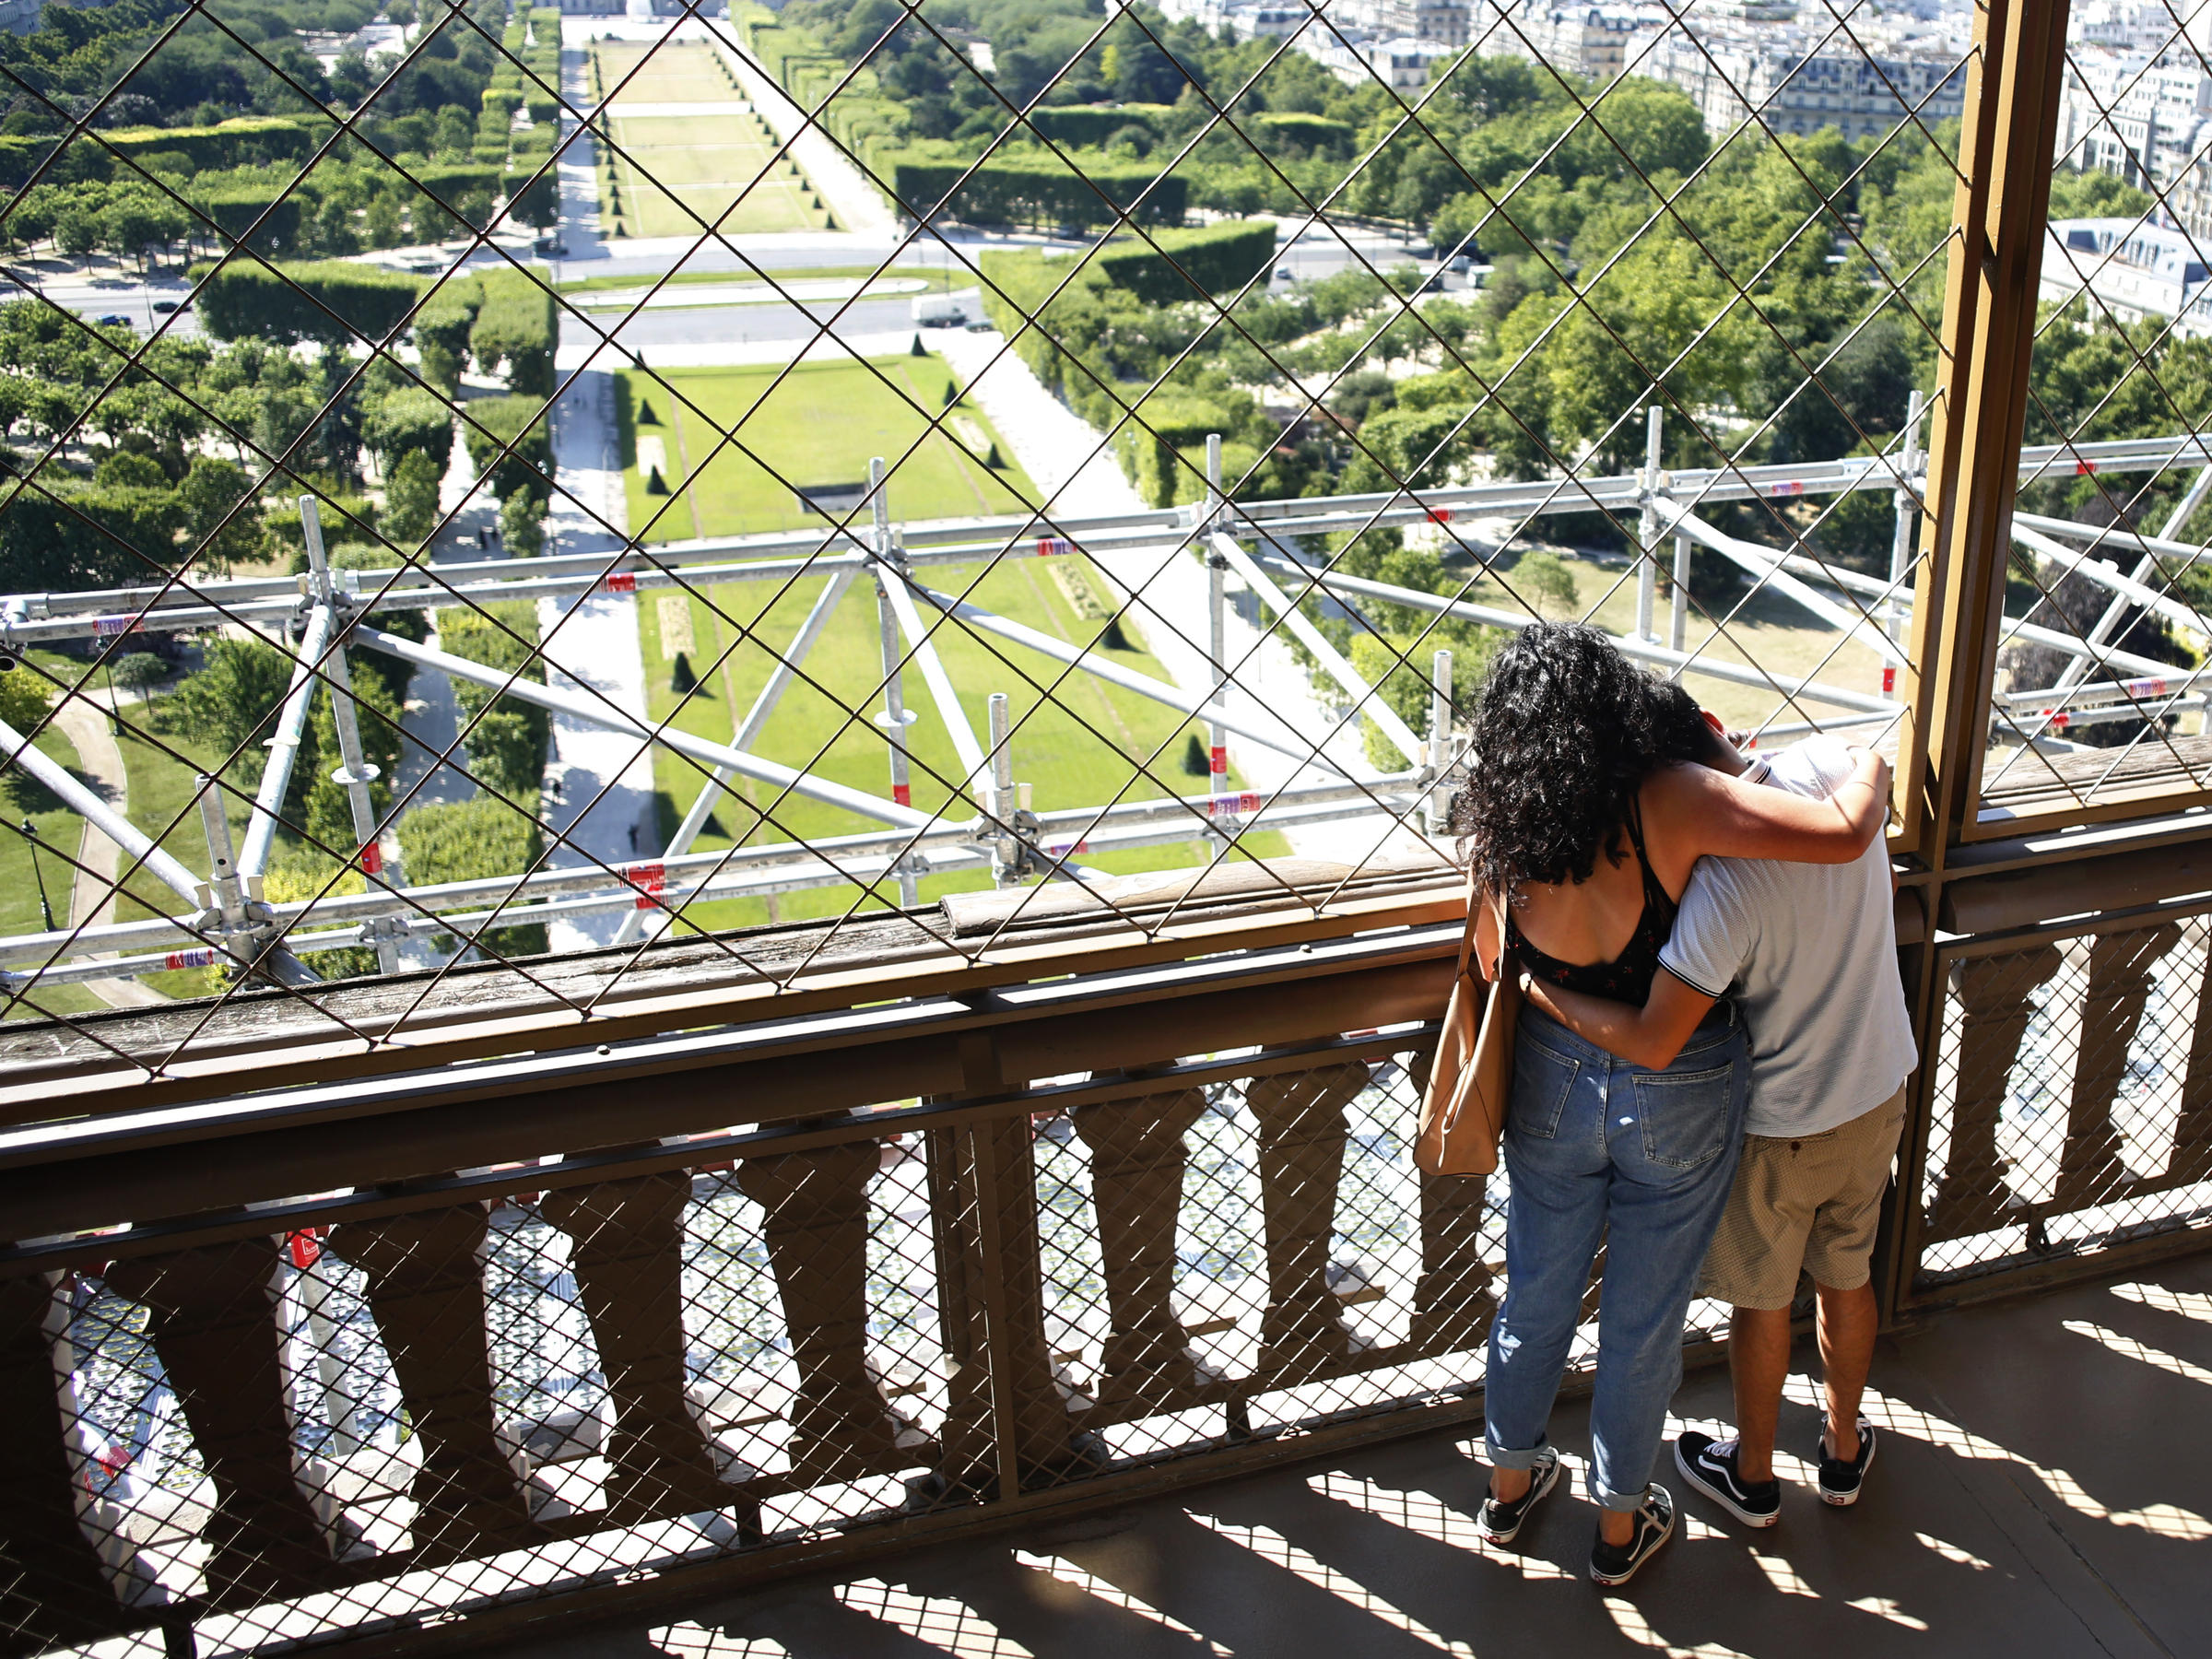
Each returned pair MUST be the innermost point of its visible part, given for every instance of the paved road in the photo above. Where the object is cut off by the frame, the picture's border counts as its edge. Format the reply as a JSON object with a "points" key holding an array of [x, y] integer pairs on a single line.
{"points": [[92, 898]]}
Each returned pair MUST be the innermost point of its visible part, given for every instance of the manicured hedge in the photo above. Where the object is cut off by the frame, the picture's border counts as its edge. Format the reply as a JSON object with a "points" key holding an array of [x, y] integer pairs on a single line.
{"points": [[320, 299], [245, 140], [236, 208], [1309, 132], [1041, 192], [1216, 258]]}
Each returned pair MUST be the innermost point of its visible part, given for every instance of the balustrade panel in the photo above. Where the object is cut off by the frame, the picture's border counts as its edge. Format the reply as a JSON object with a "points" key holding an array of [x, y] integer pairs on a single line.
{"points": [[2070, 1098]]}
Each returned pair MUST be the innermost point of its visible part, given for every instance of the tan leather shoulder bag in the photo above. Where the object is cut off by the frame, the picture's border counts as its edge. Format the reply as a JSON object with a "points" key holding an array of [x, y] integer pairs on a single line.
{"points": [[1471, 1080]]}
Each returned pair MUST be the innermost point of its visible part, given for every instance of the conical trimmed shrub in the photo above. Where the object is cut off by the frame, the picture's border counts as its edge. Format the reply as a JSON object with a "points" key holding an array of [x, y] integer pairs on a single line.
{"points": [[655, 485], [681, 680]]}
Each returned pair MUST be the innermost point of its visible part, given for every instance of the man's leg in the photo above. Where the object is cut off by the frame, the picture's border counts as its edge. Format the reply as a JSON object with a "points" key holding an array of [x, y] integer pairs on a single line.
{"points": [[1759, 1363], [1848, 1322]]}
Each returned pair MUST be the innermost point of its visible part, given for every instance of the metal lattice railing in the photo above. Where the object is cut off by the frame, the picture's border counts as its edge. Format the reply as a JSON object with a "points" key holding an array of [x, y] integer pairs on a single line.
{"points": [[682, 558]]}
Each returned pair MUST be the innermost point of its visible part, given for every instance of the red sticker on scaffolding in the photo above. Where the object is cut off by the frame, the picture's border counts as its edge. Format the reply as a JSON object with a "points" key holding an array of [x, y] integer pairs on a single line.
{"points": [[1218, 762], [1439, 515], [2084, 466], [902, 794], [1065, 849], [621, 582], [1246, 802], [2144, 687], [650, 880], [201, 957], [1889, 679], [372, 859], [1794, 488], [1052, 546], [103, 627], [306, 1247]]}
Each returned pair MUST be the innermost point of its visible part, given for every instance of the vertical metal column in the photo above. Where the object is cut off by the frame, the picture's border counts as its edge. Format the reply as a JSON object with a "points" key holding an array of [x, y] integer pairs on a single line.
{"points": [[1896, 613], [895, 719], [1217, 649], [1678, 628], [1647, 526], [2001, 211], [356, 774], [1005, 846], [222, 865], [1441, 743]]}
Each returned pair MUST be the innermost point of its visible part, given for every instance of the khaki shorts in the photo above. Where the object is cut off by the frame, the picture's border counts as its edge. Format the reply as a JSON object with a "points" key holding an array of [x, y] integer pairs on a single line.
{"points": [[1813, 1203]]}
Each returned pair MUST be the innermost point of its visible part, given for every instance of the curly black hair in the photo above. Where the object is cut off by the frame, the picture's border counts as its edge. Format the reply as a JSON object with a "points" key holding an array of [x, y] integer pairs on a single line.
{"points": [[1566, 731]]}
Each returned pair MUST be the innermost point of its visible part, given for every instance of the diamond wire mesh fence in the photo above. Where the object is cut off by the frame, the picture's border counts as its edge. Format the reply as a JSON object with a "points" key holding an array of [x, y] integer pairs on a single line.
{"points": [[775, 535], [2108, 363], [1342, 459]]}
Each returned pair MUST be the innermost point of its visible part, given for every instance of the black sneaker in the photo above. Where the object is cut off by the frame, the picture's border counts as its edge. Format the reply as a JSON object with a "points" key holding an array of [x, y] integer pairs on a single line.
{"points": [[1840, 1477], [1654, 1524], [1710, 1466], [1500, 1522]]}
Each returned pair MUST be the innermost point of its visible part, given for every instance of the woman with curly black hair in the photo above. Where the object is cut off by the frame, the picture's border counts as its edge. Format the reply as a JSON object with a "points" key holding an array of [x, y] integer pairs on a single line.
{"points": [[1583, 811]]}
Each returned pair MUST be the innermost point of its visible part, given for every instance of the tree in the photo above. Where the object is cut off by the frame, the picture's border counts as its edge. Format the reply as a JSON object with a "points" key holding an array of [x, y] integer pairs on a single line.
{"points": [[141, 671], [1544, 585], [522, 525], [24, 698], [411, 498], [231, 702]]}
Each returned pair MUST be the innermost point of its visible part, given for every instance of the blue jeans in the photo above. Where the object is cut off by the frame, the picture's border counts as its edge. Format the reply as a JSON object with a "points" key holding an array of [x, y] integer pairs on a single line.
{"points": [[1598, 1148]]}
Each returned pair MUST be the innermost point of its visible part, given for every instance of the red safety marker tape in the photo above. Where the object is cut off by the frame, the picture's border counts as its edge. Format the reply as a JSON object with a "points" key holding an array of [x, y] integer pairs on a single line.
{"points": [[2084, 466], [1052, 546], [1217, 761], [201, 957], [651, 880], [1246, 802], [621, 582], [1796, 486], [1889, 679], [1439, 515], [372, 859], [902, 794]]}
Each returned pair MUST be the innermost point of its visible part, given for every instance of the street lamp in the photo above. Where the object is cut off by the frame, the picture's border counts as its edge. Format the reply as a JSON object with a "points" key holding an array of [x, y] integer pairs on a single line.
{"points": [[31, 833]]}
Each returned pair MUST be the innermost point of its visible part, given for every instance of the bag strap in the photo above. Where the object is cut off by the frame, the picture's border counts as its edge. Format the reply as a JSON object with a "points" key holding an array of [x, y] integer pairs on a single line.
{"points": [[1466, 937]]}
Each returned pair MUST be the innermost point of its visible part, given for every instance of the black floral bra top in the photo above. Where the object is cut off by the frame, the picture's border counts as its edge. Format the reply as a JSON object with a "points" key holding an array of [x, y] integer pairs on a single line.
{"points": [[1628, 977]]}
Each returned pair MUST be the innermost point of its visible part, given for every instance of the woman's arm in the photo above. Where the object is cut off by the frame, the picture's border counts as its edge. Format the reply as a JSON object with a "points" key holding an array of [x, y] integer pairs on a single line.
{"points": [[1711, 813], [1650, 1036]]}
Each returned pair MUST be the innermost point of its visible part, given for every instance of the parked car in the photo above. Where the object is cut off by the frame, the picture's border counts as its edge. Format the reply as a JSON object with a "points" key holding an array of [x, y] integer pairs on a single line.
{"points": [[549, 247], [113, 320], [940, 310], [165, 306], [1282, 274]]}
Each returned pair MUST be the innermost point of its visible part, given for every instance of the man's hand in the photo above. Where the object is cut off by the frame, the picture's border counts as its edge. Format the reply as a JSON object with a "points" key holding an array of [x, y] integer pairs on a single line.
{"points": [[1650, 1036]]}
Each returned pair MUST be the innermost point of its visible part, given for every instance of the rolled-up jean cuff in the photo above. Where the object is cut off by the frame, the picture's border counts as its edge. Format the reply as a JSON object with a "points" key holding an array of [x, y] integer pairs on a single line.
{"points": [[1621, 1502], [1502, 1458]]}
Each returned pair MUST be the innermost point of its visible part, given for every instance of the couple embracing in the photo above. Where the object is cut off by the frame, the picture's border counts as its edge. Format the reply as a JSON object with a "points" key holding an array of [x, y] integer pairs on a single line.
{"points": [[1708, 1073]]}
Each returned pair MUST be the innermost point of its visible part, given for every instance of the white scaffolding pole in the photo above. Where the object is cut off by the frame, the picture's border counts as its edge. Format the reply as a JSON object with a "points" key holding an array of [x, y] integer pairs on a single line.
{"points": [[2145, 566], [1765, 563], [894, 718], [1641, 650], [1113, 674], [18, 750], [356, 774], [922, 650], [1901, 503], [1364, 697], [284, 747], [1216, 637], [1647, 525], [756, 721], [595, 712], [2107, 576]]}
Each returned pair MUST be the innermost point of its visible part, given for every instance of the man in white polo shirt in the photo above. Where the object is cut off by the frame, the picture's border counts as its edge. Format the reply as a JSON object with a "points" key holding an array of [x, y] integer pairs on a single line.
{"points": [[1809, 952]]}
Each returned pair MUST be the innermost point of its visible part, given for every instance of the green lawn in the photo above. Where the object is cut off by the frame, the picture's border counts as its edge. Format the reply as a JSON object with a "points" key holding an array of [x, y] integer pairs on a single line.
{"points": [[1080, 754], [819, 425], [675, 170]]}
